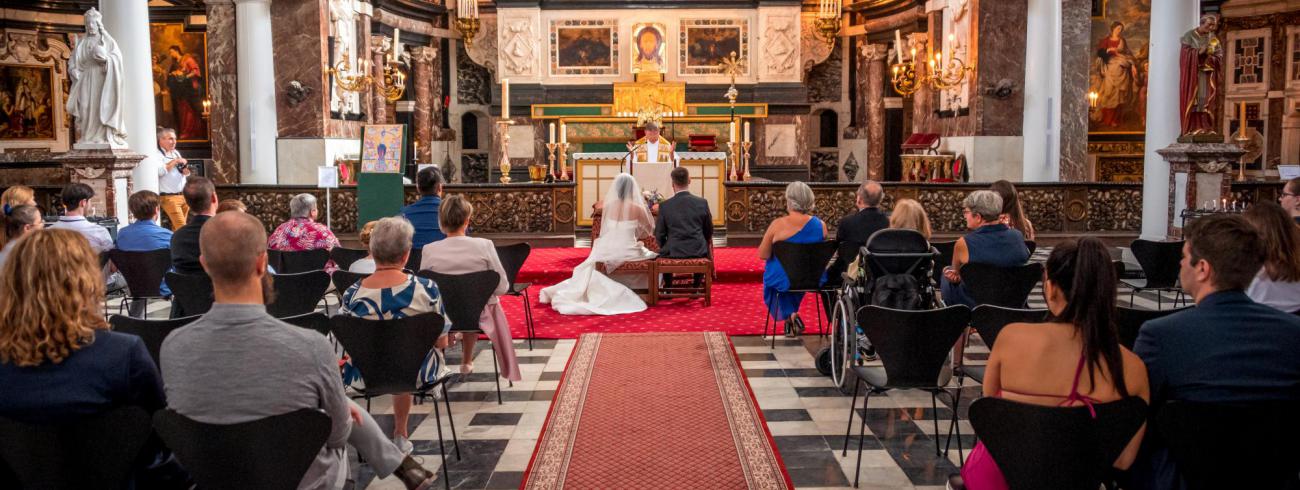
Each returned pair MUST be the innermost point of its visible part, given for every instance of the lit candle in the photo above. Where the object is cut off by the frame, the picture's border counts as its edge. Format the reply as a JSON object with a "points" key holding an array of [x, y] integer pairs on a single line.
{"points": [[505, 98], [898, 45], [415, 151], [1092, 99], [552, 140], [564, 136], [1242, 121], [746, 130]]}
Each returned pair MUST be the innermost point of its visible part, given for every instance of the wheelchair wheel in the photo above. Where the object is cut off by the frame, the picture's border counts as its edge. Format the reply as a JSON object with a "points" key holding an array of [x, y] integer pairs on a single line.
{"points": [[843, 340]]}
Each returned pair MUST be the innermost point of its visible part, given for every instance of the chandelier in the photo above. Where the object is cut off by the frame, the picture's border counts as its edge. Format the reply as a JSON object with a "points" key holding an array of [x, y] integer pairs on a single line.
{"points": [[942, 72], [467, 21], [828, 20], [391, 82]]}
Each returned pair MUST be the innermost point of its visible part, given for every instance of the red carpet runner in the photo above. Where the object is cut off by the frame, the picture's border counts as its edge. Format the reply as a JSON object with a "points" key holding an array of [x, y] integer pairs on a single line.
{"points": [[655, 411]]}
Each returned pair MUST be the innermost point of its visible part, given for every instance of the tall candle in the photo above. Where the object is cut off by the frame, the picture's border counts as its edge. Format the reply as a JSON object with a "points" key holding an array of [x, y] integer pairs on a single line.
{"points": [[552, 140], [898, 45], [731, 132], [564, 136], [397, 42], [1242, 121], [746, 130], [415, 151], [505, 98]]}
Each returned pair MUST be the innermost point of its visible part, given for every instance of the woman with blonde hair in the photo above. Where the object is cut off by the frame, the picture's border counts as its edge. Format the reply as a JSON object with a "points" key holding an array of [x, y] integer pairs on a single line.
{"points": [[18, 195], [908, 214]]}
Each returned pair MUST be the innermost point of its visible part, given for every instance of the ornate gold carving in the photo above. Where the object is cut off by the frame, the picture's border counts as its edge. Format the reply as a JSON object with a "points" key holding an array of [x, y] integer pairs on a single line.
{"points": [[1117, 147], [1043, 208], [1076, 210], [1114, 209], [1119, 169]]}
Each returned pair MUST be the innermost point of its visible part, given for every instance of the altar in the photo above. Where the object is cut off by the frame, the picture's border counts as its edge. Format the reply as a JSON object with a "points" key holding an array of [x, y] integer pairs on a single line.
{"points": [[595, 172]]}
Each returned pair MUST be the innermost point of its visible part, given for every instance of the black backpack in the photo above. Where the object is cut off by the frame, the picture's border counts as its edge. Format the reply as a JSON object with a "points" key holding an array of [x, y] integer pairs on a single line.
{"points": [[897, 291]]}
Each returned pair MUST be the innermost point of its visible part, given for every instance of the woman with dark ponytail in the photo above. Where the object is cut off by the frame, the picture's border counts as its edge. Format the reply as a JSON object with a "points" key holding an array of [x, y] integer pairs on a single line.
{"points": [[1072, 360], [17, 221]]}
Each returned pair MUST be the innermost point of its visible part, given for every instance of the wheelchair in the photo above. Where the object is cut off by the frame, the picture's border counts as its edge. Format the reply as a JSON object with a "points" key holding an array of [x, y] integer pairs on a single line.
{"points": [[888, 254]]}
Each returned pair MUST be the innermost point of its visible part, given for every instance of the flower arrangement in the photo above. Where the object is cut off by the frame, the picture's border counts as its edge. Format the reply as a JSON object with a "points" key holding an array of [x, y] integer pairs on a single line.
{"points": [[652, 197]]}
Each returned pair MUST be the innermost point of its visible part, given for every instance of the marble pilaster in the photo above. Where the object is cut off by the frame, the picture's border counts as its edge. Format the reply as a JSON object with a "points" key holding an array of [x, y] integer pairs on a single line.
{"points": [[128, 22], [223, 123], [422, 58], [300, 48], [1076, 32], [257, 93], [382, 111], [873, 56], [922, 100]]}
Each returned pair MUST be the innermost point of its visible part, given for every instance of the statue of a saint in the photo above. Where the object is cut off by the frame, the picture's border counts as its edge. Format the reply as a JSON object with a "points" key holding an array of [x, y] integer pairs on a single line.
{"points": [[1199, 62], [94, 100]]}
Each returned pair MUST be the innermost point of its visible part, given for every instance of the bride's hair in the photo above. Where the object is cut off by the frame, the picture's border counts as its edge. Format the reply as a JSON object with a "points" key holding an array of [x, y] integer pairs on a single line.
{"points": [[624, 187]]}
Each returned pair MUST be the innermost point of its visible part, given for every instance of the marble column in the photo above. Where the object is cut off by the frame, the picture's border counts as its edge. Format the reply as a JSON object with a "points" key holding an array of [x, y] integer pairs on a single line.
{"points": [[1169, 20], [128, 22], [1075, 47], [380, 108], [223, 123], [1042, 98], [256, 78], [874, 56], [422, 58], [922, 100]]}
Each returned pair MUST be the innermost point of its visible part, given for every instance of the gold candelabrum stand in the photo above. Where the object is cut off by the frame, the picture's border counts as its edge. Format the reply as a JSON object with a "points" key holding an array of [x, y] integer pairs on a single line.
{"points": [[468, 27], [550, 153], [503, 129], [744, 158], [563, 156], [1245, 143], [734, 157]]}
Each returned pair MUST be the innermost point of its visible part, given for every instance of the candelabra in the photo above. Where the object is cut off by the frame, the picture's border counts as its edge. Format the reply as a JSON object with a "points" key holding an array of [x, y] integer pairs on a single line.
{"points": [[391, 83], [946, 75], [744, 158], [503, 130], [734, 158], [828, 20], [468, 27], [940, 74], [1246, 143], [905, 81], [564, 161]]}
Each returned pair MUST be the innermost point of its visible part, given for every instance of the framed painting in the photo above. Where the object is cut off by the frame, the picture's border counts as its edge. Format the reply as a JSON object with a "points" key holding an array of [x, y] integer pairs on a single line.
{"points": [[382, 148], [706, 42], [648, 53], [180, 79], [1118, 64], [584, 47], [27, 110]]}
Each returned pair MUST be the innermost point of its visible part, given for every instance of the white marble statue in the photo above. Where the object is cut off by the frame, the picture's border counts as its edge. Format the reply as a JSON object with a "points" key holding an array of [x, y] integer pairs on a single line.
{"points": [[95, 99]]}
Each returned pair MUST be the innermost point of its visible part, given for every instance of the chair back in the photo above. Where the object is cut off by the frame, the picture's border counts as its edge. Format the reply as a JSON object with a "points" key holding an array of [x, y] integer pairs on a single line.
{"points": [[315, 321], [192, 293], [899, 251], [413, 261], [1031, 246], [344, 257], [1159, 262], [143, 271], [389, 353], [271, 453], [1248, 445], [464, 296], [152, 332], [1056, 447], [989, 320], [303, 261], [1130, 320], [804, 263], [343, 279], [913, 345], [1001, 286], [297, 294], [512, 259], [98, 451], [945, 250]]}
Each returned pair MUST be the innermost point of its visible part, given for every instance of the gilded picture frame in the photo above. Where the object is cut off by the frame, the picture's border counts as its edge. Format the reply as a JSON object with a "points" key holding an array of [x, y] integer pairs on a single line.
{"points": [[180, 79], [706, 42], [584, 47]]}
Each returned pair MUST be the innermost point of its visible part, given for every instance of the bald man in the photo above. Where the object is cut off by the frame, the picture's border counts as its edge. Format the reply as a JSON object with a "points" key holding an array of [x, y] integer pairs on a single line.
{"points": [[270, 367], [856, 228]]}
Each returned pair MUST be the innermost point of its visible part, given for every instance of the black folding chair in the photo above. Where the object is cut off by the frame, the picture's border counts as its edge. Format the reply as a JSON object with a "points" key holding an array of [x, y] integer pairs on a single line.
{"points": [[464, 296], [344, 257], [98, 451], [1008, 287], [945, 250], [297, 294], [1064, 448], [913, 347], [313, 321], [271, 453], [988, 320], [1246, 445], [1032, 246], [191, 294], [413, 260], [512, 260], [804, 264], [152, 332], [389, 354], [1129, 321], [143, 272], [303, 261], [343, 280], [1160, 263]]}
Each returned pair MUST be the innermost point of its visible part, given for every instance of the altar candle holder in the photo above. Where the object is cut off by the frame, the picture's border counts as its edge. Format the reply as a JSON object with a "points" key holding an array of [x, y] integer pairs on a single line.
{"points": [[550, 153], [744, 158], [503, 128], [735, 160], [564, 161]]}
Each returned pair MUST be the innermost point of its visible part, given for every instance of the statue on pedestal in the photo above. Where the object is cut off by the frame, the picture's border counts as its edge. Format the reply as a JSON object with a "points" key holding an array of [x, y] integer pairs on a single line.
{"points": [[94, 100], [1199, 62]]}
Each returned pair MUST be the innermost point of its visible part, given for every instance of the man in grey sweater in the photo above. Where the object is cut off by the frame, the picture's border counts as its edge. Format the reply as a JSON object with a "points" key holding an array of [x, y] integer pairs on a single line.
{"points": [[267, 367]]}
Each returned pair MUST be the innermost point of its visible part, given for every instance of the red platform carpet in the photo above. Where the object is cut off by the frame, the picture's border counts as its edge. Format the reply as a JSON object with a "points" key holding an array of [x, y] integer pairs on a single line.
{"points": [[693, 424], [737, 300]]}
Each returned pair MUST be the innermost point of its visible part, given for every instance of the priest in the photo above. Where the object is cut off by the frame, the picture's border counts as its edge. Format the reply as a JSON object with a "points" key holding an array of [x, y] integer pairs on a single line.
{"points": [[652, 148]]}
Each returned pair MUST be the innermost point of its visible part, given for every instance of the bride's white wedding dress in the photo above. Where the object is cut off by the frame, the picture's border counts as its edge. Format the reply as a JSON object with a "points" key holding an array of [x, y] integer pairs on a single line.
{"points": [[589, 292]]}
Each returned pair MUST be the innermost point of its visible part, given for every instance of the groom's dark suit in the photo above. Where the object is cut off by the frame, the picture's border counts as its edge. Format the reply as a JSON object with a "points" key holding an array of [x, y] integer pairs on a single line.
{"points": [[684, 228]]}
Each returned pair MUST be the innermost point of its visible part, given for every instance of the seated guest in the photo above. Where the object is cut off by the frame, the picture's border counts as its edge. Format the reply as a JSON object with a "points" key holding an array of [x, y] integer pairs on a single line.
{"points": [[856, 228], [231, 205], [423, 214], [365, 265], [1228, 349], [19, 221], [18, 195], [302, 231], [1013, 214], [390, 292], [1290, 199], [1277, 284], [270, 367], [989, 242], [797, 226], [908, 214], [460, 254], [76, 203], [1073, 360], [144, 235], [684, 227], [201, 197]]}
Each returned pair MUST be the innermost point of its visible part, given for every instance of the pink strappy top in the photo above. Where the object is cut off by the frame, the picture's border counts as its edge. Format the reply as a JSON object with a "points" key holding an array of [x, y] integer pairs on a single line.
{"points": [[1074, 395]]}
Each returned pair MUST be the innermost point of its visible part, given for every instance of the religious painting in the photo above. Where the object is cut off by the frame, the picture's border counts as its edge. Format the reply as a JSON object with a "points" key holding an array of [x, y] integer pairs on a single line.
{"points": [[27, 109], [180, 79], [706, 42], [584, 47], [649, 47], [1118, 67], [382, 146]]}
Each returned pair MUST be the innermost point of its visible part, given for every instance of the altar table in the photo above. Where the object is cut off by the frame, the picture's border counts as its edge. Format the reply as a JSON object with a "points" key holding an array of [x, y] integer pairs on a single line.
{"points": [[595, 172]]}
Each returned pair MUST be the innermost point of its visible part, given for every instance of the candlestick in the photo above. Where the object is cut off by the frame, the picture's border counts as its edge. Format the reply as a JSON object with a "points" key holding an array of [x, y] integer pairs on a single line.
{"points": [[744, 158], [503, 131], [1242, 122], [734, 160], [505, 98], [550, 151], [564, 159]]}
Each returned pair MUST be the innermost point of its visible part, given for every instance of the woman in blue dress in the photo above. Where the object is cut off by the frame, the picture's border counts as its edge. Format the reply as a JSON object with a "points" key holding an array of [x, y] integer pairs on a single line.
{"points": [[798, 226]]}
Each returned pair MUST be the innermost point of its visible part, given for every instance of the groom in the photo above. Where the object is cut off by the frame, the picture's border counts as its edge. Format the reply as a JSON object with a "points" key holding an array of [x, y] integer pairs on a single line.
{"points": [[684, 228]]}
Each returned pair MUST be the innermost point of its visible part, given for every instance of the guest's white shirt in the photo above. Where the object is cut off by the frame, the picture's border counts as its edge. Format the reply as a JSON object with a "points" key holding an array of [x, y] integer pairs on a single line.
{"points": [[99, 238], [1284, 296], [169, 181]]}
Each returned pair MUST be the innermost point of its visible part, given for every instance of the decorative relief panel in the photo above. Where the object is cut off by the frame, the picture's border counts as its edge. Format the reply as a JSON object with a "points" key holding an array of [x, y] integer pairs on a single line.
{"points": [[1044, 208], [1125, 147], [781, 49], [484, 50], [511, 211], [518, 46], [1115, 209], [824, 168], [1120, 169], [944, 208], [811, 47]]}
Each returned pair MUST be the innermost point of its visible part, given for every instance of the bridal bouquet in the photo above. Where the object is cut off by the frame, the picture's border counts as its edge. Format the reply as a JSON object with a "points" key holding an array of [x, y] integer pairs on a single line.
{"points": [[652, 197]]}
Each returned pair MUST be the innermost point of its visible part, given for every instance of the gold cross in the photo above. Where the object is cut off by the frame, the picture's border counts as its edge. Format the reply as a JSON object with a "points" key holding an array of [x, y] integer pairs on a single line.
{"points": [[732, 65]]}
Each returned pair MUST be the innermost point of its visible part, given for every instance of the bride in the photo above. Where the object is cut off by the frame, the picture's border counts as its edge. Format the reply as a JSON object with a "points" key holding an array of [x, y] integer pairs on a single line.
{"points": [[588, 292]]}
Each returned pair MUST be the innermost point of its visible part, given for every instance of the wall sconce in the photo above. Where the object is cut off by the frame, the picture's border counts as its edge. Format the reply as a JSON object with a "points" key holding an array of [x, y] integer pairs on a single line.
{"points": [[391, 84], [828, 20], [940, 74]]}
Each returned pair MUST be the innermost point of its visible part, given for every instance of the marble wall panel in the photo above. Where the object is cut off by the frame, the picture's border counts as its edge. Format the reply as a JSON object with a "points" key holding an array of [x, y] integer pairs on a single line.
{"points": [[781, 140], [473, 81], [222, 80], [299, 48], [1000, 56], [1076, 23], [823, 79]]}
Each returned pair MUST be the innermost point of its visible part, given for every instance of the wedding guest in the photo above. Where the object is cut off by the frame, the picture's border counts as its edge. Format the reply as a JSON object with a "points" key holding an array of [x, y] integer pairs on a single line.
{"points": [[856, 228], [19, 222], [390, 292], [797, 226], [1277, 284], [269, 366], [1228, 349], [18, 195], [1074, 359], [231, 205], [201, 197], [302, 232], [172, 171], [1290, 199], [1013, 214], [989, 242], [144, 235], [909, 214], [423, 213], [76, 203], [461, 254], [365, 265]]}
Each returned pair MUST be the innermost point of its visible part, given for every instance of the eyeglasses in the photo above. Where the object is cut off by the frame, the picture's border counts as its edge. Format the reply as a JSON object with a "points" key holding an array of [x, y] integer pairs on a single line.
{"points": [[1292, 194]]}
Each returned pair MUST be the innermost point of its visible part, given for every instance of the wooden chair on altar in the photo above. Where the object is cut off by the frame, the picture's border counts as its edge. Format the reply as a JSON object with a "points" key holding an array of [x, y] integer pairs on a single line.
{"points": [[690, 267], [649, 294]]}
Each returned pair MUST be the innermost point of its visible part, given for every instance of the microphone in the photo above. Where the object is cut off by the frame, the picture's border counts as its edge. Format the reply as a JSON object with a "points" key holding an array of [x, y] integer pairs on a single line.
{"points": [[630, 161]]}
